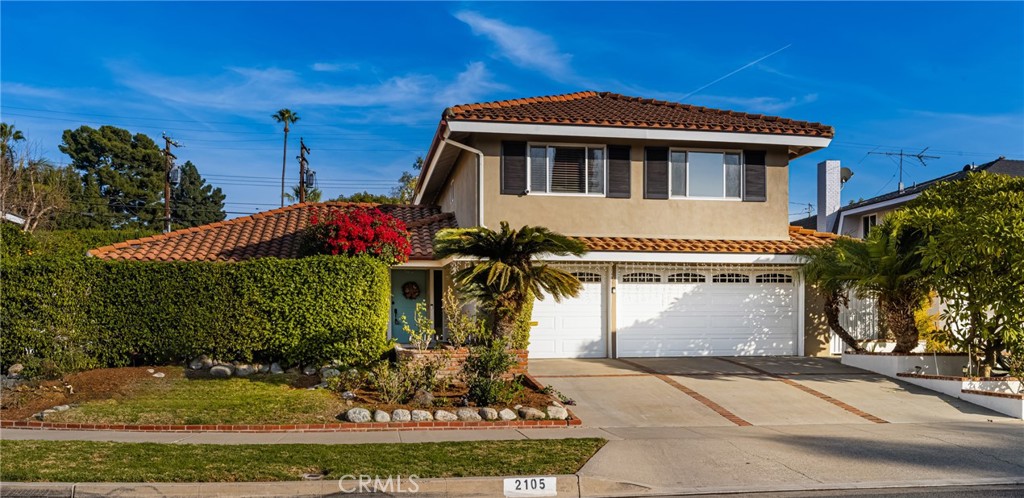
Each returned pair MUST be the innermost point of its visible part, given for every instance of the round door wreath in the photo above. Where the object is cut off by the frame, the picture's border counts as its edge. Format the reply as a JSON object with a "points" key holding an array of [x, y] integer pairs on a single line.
{"points": [[411, 290]]}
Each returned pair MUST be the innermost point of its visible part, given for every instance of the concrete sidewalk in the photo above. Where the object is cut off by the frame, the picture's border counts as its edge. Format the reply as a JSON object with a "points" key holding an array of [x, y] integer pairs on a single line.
{"points": [[681, 460]]}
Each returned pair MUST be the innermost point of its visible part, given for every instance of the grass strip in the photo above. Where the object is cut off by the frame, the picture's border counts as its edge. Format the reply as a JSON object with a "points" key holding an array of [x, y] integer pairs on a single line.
{"points": [[91, 461]]}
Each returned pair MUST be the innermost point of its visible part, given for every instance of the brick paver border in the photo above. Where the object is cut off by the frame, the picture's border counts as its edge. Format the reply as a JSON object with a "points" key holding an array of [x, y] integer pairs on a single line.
{"points": [[813, 392], [700, 398], [339, 427]]}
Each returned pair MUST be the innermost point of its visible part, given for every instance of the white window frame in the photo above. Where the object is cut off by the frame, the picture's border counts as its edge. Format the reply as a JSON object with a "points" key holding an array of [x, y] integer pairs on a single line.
{"points": [[586, 158], [867, 222], [743, 176]]}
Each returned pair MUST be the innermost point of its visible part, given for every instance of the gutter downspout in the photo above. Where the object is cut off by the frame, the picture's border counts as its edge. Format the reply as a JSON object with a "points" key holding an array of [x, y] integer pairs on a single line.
{"points": [[479, 176]]}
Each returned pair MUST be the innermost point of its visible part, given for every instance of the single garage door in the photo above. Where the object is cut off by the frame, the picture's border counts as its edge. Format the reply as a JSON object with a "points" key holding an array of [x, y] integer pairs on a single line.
{"points": [[573, 328], [720, 313]]}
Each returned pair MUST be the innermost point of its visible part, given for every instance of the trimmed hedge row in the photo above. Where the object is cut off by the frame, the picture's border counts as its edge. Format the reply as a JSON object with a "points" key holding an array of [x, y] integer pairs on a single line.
{"points": [[89, 313]]}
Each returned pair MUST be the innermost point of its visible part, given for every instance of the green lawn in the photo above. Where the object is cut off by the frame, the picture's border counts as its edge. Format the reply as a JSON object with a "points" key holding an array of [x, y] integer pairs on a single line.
{"points": [[88, 461], [175, 400]]}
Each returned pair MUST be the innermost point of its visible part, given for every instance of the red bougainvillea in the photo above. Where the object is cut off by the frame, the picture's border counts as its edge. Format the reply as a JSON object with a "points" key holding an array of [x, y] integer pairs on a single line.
{"points": [[359, 230]]}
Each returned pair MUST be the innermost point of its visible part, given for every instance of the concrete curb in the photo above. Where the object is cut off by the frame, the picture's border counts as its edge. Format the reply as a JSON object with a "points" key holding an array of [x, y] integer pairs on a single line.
{"points": [[466, 487]]}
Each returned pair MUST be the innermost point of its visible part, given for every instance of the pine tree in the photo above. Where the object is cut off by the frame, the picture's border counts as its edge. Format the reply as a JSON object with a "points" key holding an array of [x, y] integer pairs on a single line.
{"points": [[195, 202]]}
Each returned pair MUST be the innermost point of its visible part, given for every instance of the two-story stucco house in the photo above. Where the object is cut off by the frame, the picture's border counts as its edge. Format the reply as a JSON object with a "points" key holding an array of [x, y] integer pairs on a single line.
{"points": [[684, 210]]}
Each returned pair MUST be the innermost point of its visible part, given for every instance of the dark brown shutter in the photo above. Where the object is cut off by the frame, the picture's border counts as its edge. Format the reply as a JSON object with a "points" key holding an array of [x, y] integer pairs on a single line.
{"points": [[619, 171], [656, 173], [513, 168], [755, 187]]}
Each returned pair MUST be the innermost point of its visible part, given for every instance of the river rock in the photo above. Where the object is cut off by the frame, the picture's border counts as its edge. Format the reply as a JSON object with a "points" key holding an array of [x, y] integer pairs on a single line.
{"points": [[381, 416], [275, 368], [489, 414], [421, 416], [15, 370], [401, 415], [309, 370], [221, 371], [506, 414], [557, 412], [445, 416], [327, 373], [468, 415], [358, 415], [530, 413], [244, 370]]}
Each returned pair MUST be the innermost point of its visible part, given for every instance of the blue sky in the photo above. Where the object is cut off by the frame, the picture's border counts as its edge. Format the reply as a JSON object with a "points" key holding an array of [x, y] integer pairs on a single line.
{"points": [[370, 80]]}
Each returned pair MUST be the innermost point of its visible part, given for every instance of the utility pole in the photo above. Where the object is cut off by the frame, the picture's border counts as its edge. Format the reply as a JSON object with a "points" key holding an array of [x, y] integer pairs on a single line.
{"points": [[303, 164], [919, 156], [168, 166]]}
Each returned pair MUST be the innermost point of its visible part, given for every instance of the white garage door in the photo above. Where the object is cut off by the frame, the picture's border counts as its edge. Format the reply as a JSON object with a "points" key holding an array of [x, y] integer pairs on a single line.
{"points": [[722, 313], [573, 328]]}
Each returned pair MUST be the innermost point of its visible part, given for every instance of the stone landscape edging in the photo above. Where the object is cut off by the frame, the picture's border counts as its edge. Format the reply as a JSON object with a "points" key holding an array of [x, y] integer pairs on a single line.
{"points": [[266, 428], [530, 381]]}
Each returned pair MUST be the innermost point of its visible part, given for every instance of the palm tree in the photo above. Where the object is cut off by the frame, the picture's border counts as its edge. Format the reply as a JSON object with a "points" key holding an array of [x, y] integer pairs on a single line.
{"points": [[508, 275], [9, 135], [888, 266], [313, 194], [824, 271], [287, 117]]}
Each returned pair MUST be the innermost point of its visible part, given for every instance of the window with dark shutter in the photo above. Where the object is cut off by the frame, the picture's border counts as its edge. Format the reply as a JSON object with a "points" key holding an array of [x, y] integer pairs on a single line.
{"points": [[755, 188], [513, 168], [656, 173], [619, 171]]}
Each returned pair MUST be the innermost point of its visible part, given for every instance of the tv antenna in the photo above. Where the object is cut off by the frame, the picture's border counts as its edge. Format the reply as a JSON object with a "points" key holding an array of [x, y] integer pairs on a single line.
{"points": [[920, 156]]}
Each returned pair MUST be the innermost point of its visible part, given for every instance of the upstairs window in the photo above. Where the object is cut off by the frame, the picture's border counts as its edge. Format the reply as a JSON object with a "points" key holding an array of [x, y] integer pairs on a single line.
{"points": [[705, 174], [566, 169], [867, 223]]}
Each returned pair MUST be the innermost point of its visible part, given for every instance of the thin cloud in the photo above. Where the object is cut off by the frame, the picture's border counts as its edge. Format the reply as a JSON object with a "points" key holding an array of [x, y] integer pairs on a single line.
{"points": [[333, 67], [768, 105], [524, 47], [244, 90]]}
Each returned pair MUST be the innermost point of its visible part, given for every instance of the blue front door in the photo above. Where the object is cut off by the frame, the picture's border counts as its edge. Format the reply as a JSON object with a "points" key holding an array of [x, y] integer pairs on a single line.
{"points": [[408, 287]]}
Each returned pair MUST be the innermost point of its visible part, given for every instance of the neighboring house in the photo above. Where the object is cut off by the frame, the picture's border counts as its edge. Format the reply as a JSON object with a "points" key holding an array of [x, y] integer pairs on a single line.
{"points": [[684, 210], [857, 218]]}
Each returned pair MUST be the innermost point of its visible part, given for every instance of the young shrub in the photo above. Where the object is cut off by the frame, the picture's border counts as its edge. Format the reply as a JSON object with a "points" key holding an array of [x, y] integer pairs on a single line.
{"points": [[390, 384], [358, 230], [424, 333], [463, 329], [484, 371]]}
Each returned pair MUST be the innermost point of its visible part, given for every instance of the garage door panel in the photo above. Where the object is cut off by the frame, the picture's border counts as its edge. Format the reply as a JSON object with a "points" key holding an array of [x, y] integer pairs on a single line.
{"points": [[572, 328], [706, 319]]}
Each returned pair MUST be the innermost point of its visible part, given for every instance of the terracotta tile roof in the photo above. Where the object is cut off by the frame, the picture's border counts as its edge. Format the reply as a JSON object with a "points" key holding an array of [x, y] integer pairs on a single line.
{"points": [[611, 109], [799, 238], [275, 233]]}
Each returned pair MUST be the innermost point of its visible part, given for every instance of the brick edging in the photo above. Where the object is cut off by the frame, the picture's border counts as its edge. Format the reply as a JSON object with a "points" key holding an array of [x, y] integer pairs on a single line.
{"points": [[698, 397], [954, 377], [993, 394], [813, 392], [336, 427]]}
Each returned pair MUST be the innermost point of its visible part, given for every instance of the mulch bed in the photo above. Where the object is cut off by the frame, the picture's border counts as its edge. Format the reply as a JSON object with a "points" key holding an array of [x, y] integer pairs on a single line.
{"points": [[103, 383]]}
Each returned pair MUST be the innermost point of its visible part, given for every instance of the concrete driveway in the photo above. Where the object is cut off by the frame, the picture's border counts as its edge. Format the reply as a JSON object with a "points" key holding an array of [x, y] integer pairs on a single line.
{"points": [[743, 391]]}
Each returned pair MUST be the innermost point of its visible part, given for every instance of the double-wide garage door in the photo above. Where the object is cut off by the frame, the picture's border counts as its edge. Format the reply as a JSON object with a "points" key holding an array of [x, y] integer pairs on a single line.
{"points": [[673, 312]]}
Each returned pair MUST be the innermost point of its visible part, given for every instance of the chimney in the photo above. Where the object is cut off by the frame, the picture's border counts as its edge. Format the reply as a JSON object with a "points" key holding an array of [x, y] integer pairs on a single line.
{"points": [[829, 185]]}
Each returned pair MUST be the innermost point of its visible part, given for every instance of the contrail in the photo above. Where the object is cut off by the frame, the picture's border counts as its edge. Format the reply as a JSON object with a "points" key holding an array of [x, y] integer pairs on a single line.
{"points": [[735, 71]]}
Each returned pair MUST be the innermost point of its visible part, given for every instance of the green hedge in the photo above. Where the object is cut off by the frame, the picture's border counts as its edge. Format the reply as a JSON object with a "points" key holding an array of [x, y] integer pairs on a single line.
{"points": [[82, 313], [61, 243]]}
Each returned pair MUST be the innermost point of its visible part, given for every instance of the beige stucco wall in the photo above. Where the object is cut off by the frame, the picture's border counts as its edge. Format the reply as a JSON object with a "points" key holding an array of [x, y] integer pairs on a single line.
{"points": [[459, 194], [817, 334], [636, 216]]}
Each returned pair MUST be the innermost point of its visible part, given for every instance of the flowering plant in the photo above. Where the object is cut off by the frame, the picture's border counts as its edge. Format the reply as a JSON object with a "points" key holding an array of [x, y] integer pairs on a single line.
{"points": [[359, 230]]}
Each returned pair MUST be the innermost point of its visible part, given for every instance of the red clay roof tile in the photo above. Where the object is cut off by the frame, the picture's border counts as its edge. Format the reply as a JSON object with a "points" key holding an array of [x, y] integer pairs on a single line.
{"points": [[611, 109], [275, 233]]}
